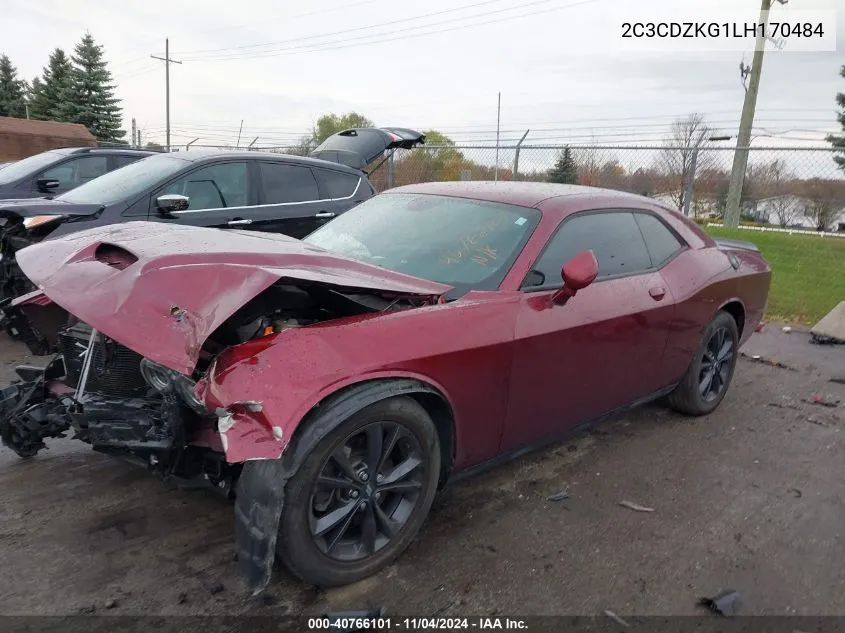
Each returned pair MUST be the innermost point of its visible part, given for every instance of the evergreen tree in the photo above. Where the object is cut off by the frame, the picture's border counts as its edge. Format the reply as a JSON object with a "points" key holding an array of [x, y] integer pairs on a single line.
{"points": [[46, 97], [12, 90], [565, 170], [34, 97], [839, 141], [88, 98]]}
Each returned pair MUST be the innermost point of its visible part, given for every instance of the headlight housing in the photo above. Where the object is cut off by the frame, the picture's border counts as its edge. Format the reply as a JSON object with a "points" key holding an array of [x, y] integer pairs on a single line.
{"points": [[38, 220], [165, 380]]}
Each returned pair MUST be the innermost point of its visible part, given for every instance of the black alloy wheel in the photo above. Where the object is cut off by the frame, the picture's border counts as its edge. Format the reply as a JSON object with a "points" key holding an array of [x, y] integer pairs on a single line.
{"points": [[366, 491], [716, 364], [704, 385], [361, 494]]}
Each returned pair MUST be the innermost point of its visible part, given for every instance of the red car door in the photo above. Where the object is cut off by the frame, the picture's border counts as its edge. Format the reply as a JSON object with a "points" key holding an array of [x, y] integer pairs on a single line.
{"points": [[603, 349]]}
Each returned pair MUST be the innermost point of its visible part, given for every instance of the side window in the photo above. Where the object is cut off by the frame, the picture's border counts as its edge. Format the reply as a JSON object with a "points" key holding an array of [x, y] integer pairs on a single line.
{"points": [[78, 170], [213, 187], [337, 184], [661, 242], [287, 183], [614, 238], [122, 160]]}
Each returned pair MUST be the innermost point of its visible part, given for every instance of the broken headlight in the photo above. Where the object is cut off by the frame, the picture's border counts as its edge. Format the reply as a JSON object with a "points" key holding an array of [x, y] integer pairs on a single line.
{"points": [[165, 380]]}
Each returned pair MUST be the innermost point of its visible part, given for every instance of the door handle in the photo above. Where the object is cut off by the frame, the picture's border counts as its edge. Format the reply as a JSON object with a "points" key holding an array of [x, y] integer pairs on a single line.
{"points": [[657, 293], [238, 222], [325, 214]]}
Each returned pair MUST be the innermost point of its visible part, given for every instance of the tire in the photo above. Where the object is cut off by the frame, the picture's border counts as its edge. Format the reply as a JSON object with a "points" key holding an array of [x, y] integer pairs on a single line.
{"points": [[687, 398], [303, 552]]}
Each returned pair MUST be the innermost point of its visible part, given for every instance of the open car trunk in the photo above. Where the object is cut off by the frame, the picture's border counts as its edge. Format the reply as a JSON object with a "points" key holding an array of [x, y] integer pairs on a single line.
{"points": [[361, 147]]}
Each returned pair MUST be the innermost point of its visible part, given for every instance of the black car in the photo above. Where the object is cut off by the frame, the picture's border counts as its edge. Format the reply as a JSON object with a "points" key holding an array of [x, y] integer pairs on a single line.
{"points": [[260, 191], [57, 171]]}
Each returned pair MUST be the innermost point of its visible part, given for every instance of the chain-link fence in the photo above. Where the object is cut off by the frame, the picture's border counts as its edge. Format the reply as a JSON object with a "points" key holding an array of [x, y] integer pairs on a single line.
{"points": [[783, 186], [798, 187]]}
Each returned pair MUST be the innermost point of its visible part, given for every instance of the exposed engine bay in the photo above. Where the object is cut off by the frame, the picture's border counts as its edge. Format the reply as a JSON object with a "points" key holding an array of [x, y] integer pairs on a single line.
{"points": [[110, 397]]}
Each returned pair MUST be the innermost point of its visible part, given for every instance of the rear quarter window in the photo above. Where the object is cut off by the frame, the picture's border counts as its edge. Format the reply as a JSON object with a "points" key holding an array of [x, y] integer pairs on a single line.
{"points": [[659, 239], [337, 184]]}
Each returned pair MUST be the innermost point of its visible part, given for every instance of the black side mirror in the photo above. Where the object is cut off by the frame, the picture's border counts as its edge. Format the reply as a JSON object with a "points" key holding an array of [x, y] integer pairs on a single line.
{"points": [[171, 202], [46, 185]]}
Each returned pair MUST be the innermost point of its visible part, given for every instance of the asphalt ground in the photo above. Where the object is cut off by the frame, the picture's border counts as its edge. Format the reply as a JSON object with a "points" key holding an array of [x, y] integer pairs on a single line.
{"points": [[748, 498]]}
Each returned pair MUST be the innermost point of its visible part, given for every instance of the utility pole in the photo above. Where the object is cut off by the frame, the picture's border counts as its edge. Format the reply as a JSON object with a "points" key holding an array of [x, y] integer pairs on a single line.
{"points": [[240, 129], [134, 133], [139, 138], [498, 120], [743, 139], [167, 61]]}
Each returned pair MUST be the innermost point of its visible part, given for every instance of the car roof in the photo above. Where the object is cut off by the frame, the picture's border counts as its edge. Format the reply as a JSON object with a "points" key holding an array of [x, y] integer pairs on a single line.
{"points": [[524, 194], [103, 150], [203, 155]]}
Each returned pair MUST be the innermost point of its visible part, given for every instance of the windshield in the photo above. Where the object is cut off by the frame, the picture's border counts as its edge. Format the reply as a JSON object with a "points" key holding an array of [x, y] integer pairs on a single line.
{"points": [[28, 166], [463, 243], [125, 182]]}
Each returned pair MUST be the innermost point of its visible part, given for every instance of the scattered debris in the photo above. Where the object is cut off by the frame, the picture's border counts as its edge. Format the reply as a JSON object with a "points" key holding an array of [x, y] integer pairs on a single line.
{"points": [[111, 604], [838, 379], [615, 617], [563, 495], [796, 493], [783, 405], [786, 329], [760, 327], [89, 610], [216, 588], [183, 598], [820, 339], [774, 363], [634, 506], [725, 602], [813, 420], [823, 401]]}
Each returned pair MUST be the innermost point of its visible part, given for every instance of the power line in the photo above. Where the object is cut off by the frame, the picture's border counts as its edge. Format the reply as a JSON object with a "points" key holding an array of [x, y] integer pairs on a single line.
{"points": [[353, 30], [340, 45], [287, 18]]}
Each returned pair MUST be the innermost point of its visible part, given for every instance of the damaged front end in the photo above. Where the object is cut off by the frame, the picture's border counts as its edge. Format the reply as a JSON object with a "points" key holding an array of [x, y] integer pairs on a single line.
{"points": [[118, 402], [158, 357]]}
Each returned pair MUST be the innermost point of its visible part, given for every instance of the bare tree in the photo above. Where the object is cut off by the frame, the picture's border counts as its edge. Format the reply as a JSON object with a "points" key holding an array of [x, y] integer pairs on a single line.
{"points": [[825, 198], [675, 160], [589, 165], [776, 185], [304, 147]]}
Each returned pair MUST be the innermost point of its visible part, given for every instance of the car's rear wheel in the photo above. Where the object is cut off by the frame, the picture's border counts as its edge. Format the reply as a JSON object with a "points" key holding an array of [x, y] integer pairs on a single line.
{"points": [[706, 382], [362, 494]]}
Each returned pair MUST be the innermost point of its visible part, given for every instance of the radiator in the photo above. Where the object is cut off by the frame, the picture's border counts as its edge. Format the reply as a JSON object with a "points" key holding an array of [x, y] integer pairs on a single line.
{"points": [[115, 370]]}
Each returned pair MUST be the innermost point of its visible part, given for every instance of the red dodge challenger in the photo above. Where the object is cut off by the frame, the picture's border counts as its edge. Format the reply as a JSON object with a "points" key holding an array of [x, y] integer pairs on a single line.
{"points": [[331, 385]]}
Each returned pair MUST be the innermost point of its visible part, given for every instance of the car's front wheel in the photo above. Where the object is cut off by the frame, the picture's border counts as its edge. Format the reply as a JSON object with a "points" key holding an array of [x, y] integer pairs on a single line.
{"points": [[361, 496], [706, 382]]}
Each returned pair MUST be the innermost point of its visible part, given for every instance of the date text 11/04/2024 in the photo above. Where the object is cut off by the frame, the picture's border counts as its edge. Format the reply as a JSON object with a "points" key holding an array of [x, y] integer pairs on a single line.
{"points": [[416, 624], [770, 30]]}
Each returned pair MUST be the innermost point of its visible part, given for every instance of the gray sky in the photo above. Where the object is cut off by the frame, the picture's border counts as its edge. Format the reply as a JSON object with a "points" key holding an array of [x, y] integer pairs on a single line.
{"points": [[280, 65]]}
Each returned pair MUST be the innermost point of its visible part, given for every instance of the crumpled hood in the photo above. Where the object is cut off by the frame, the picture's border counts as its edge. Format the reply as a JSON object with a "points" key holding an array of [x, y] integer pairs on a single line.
{"points": [[161, 289], [30, 207]]}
